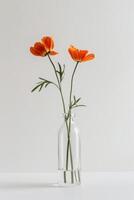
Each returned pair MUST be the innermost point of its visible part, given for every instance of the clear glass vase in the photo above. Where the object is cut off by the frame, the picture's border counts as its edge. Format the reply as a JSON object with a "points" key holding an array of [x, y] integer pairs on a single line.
{"points": [[69, 160]]}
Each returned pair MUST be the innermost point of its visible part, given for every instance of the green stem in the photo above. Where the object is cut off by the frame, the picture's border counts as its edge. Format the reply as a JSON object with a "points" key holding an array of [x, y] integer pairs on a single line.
{"points": [[71, 159], [60, 89], [70, 97], [69, 150], [67, 154], [64, 109], [65, 180], [69, 113]]}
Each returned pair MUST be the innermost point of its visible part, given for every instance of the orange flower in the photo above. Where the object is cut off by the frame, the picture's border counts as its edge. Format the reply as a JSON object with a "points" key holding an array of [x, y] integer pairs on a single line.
{"points": [[44, 47], [49, 45], [80, 55], [38, 49]]}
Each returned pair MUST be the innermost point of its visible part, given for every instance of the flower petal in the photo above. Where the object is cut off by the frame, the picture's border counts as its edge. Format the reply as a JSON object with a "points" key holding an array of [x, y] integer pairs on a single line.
{"points": [[83, 53], [39, 46], [74, 52], [71, 53], [53, 53], [76, 55], [38, 49], [72, 47], [34, 51], [48, 43], [88, 57]]}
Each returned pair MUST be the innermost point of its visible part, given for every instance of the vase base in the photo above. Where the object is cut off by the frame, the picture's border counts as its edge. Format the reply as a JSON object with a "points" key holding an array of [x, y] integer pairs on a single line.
{"points": [[69, 177]]}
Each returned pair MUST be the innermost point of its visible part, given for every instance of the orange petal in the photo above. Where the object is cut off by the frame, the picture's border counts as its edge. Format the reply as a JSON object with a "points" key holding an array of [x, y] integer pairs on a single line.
{"points": [[72, 47], [71, 53], [74, 53], [34, 52], [53, 53], [38, 49], [39, 46], [48, 43], [83, 53], [88, 57]]}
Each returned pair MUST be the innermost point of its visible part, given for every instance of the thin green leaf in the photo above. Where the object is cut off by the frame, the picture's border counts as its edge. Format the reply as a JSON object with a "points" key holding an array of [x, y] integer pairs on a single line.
{"points": [[81, 105], [41, 86], [46, 84], [42, 79], [78, 100], [35, 88], [60, 72], [42, 83]]}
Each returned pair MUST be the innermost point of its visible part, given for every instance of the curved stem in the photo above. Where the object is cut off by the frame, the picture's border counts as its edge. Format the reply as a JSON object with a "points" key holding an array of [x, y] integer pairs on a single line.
{"points": [[72, 78], [64, 108], [60, 89], [70, 97], [69, 114], [55, 85]]}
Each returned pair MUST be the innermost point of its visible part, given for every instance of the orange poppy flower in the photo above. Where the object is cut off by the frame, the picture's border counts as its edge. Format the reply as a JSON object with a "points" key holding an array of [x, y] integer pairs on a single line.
{"points": [[38, 49], [44, 47], [80, 55]]}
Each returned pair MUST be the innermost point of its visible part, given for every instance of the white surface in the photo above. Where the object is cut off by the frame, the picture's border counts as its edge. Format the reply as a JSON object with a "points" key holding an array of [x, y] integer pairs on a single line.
{"points": [[29, 122], [95, 186]]}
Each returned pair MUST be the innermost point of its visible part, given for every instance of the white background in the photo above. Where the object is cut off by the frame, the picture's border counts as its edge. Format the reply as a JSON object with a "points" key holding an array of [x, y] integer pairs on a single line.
{"points": [[29, 123]]}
